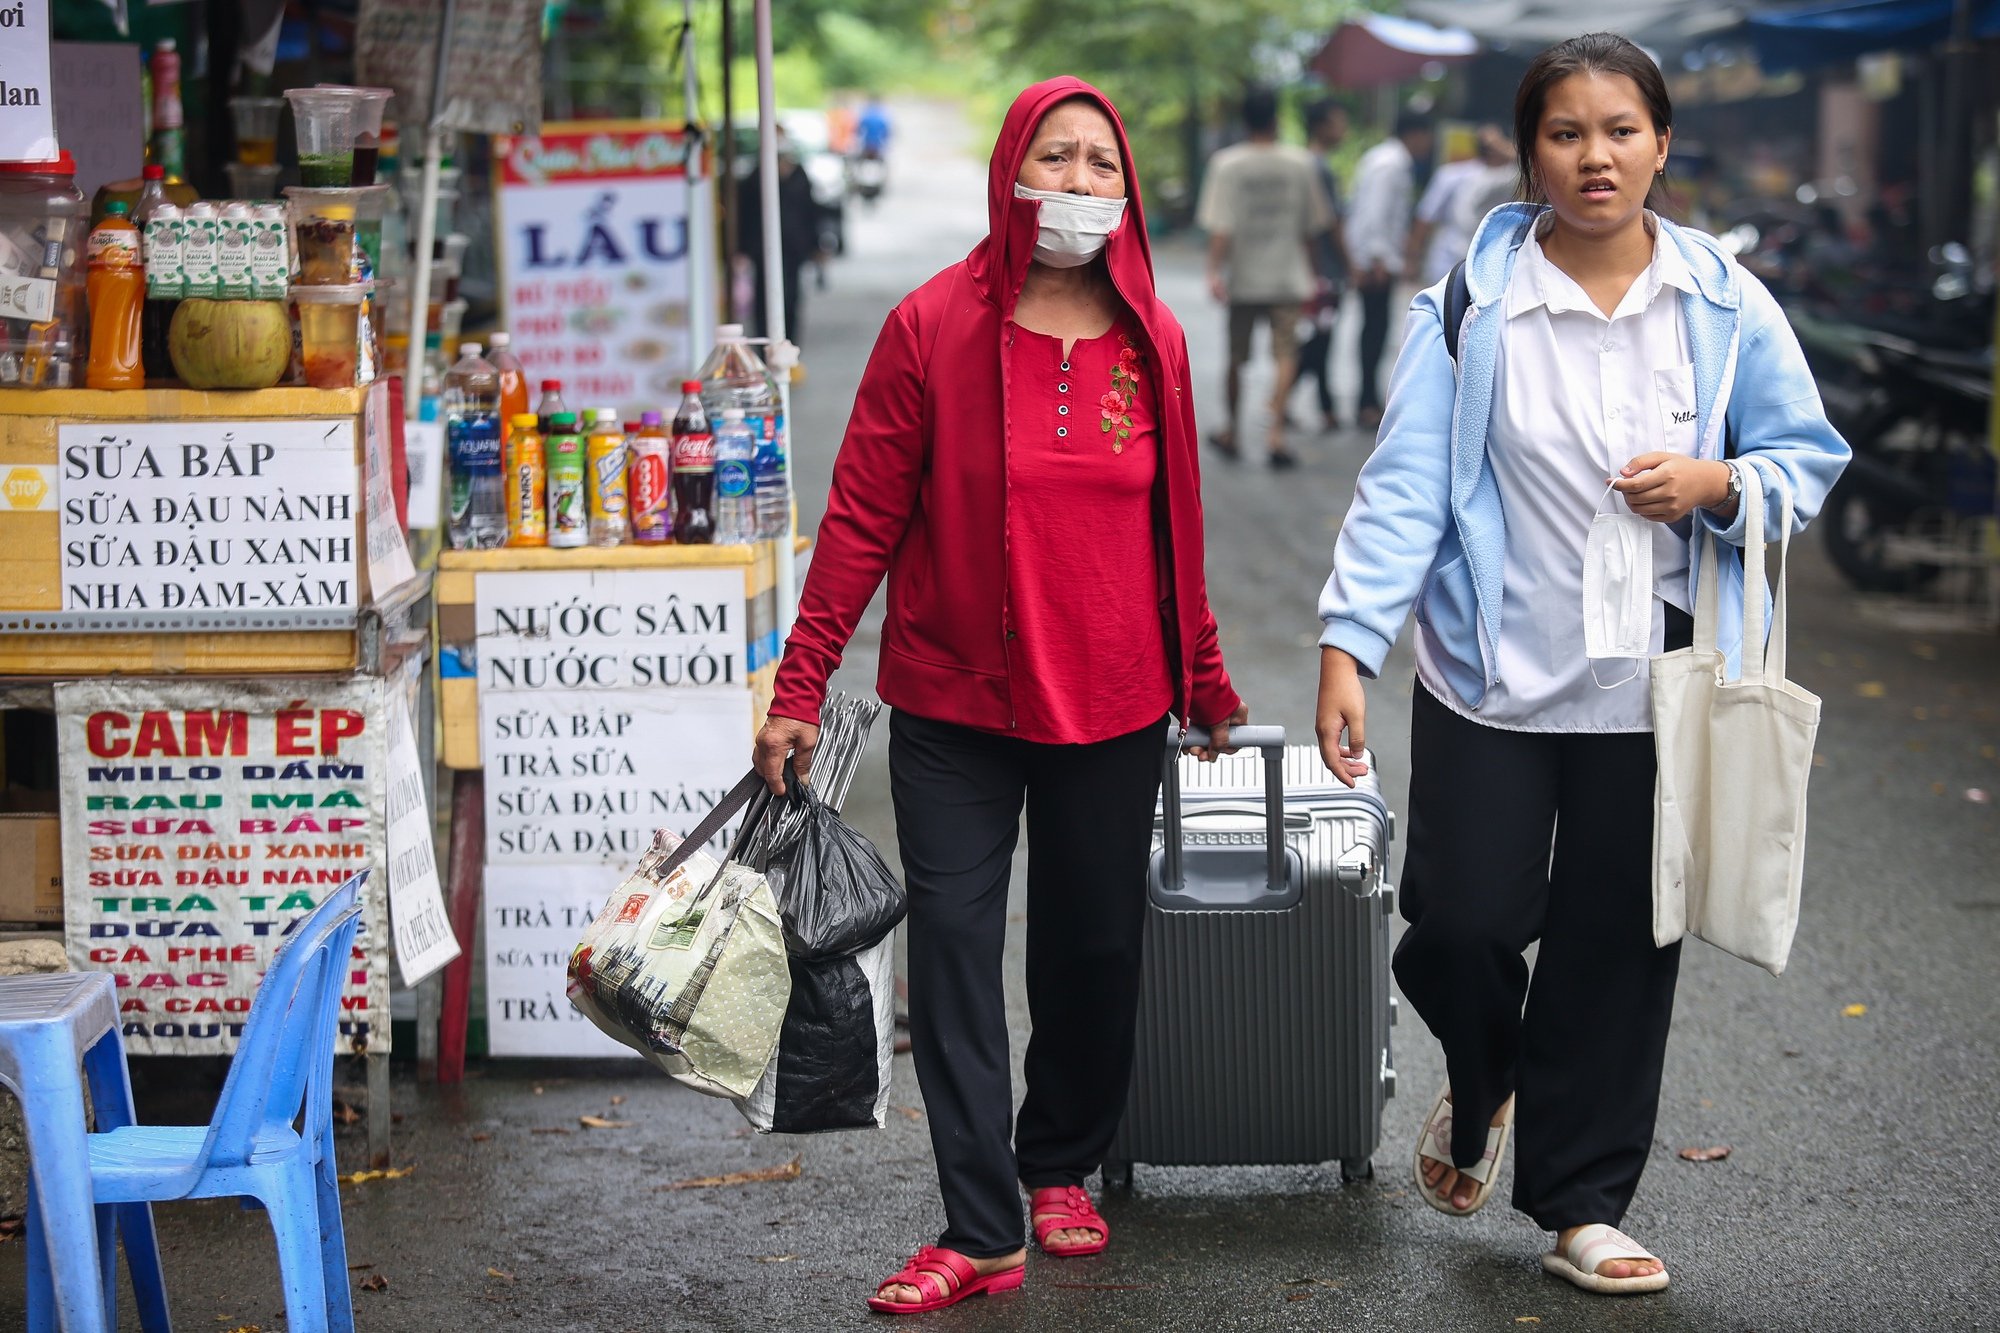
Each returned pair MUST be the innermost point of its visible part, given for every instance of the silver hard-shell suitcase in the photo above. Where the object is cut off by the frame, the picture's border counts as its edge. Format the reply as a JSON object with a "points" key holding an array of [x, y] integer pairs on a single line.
{"points": [[1264, 1009]]}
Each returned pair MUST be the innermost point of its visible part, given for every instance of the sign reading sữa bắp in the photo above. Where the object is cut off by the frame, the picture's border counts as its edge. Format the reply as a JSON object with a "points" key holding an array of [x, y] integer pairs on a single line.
{"points": [[611, 703], [221, 519], [201, 822]]}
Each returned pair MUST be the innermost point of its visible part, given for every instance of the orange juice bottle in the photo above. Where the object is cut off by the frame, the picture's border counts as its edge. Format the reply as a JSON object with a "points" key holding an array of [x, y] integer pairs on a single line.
{"points": [[513, 385], [116, 290]]}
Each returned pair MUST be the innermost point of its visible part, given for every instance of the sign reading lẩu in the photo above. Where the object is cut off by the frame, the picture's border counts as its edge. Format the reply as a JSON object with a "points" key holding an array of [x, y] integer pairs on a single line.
{"points": [[202, 821], [223, 520]]}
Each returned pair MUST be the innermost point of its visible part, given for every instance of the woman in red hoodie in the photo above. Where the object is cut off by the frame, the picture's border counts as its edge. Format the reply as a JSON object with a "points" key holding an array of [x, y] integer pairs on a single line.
{"points": [[1021, 464]]}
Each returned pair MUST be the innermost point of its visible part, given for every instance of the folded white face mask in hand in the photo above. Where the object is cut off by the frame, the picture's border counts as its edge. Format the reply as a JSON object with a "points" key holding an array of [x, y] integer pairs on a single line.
{"points": [[1618, 589], [1074, 227]]}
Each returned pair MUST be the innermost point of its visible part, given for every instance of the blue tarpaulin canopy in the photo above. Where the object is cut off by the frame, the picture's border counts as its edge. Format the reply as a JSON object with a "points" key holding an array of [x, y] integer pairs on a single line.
{"points": [[1824, 34]]}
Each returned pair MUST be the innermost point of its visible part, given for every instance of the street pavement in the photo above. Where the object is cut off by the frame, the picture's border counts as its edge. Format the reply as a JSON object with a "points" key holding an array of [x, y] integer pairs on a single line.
{"points": [[1858, 1193]]}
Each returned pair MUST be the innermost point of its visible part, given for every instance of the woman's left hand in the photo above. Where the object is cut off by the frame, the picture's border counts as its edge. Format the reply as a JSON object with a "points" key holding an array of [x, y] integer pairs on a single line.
{"points": [[1668, 487], [1218, 736]]}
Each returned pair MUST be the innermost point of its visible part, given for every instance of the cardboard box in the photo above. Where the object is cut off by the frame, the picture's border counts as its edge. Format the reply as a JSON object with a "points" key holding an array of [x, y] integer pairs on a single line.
{"points": [[31, 887]]}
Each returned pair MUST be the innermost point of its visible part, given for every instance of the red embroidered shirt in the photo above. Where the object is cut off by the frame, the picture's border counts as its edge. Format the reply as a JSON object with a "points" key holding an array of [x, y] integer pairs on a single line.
{"points": [[1087, 641]]}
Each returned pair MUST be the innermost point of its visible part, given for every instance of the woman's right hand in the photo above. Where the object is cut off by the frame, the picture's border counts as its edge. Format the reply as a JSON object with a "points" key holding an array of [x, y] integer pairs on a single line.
{"points": [[1342, 708], [780, 737]]}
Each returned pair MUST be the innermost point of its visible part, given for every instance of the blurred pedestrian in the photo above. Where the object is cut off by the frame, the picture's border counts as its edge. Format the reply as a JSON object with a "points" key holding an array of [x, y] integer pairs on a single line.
{"points": [[1599, 340], [1445, 218], [799, 216], [1264, 208], [1378, 230], [1326, 130], [1022, 464]]}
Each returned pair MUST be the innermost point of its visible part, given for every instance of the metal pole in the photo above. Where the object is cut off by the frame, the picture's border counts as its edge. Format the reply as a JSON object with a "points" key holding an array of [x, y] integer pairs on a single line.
{"points": [[727, 161], [420, 282], [701, 207], [774, 295]]}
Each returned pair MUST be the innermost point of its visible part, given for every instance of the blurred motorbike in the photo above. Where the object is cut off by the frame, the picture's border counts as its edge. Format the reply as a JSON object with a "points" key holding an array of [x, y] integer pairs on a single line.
{"points": [[867, 175]]}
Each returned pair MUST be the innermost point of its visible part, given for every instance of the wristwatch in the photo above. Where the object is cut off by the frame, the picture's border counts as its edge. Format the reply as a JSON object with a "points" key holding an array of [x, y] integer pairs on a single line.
{"points": [[1735, 485]]}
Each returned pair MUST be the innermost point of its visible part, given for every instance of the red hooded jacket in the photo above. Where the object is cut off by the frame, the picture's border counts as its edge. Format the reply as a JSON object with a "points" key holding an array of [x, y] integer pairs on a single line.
{"points": [[920, 484]]}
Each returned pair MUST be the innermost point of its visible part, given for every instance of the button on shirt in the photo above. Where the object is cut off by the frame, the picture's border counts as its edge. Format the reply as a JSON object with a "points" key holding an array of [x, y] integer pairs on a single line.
{"points": [[1576, 397], [1085, 632]]}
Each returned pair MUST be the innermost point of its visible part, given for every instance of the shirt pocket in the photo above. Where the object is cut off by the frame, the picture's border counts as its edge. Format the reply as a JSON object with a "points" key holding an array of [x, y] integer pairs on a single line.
{"points": [[1674, 390]]}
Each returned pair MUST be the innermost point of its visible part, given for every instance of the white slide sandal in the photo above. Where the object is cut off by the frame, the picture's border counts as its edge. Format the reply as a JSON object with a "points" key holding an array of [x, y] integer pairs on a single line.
{"points": [[1598, 1244], [1434, 1145]]}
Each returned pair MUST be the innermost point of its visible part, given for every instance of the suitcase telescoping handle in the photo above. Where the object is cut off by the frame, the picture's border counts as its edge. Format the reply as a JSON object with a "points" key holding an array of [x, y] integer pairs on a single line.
{"points": [[1270, 740]]}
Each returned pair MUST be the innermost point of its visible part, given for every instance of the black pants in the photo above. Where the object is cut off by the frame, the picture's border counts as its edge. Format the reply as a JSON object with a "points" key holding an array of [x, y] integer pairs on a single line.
{"points": [[1314, 353], [1374, 340], [760, 324], [959, 795], [1582, 1044]]}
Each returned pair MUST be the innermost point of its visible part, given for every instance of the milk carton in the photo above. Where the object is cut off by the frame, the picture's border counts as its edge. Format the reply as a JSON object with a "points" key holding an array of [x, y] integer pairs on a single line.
{"points": [[270, 253], [201, 233], [165, 245], [235, 238]]}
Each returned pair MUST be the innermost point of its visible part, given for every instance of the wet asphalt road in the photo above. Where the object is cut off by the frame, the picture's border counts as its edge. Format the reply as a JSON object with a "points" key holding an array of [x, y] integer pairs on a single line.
{"points": [[1858, 1196]]}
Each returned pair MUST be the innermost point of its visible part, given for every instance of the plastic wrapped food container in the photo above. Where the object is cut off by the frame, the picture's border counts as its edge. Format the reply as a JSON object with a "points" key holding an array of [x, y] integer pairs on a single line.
{"points": [[44, 225], [330, 334]]}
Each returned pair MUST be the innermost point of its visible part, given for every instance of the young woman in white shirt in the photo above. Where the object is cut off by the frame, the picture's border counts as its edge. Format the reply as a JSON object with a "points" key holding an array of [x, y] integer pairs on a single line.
{"points": [[1608, 363]]}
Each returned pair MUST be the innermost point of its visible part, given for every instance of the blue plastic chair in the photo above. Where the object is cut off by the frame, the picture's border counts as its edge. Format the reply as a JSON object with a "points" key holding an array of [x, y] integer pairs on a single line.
{"points": [[282, 1076]]}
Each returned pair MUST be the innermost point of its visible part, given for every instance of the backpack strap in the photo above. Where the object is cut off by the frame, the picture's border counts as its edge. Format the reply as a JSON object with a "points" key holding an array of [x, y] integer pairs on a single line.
{"points": [[1457, 300]]}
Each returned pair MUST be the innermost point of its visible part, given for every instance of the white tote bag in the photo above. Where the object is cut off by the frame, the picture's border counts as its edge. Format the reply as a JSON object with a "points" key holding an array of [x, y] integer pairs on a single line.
{"points": [[1729, 808]]}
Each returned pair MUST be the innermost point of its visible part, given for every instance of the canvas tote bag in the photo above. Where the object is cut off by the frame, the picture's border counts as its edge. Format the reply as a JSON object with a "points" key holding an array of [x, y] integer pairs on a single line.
{"points": [[1729, 807]]}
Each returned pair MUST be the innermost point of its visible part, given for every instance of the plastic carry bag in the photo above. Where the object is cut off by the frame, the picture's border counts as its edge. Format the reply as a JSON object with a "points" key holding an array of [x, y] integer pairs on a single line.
{"points": [[831, 1068], [836, 894], [686, 964]]}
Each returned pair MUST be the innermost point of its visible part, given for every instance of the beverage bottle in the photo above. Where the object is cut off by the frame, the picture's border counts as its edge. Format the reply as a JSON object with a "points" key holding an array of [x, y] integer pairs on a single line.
{"points": [[478, 519], [693, 469], [513, 382], [568, 523], [527, 482], [159, 224], [771, 485], [551, 404], [610, 512], [169, 147], [115, 288], [735, 376], [735, 497], [649, 480]]}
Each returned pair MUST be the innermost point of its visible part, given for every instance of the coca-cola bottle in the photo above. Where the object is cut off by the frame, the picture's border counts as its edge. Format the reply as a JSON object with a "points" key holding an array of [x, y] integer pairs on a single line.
{"points": [[694, 470]]}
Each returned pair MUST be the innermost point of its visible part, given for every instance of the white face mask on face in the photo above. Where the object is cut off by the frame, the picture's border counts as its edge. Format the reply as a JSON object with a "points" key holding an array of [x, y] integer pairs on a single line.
{"points": [[1618, 589], [1074, 227]]}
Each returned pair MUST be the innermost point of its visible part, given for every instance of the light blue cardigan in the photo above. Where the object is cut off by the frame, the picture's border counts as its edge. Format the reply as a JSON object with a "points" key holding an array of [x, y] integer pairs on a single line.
{"points": [[1426, 527]]}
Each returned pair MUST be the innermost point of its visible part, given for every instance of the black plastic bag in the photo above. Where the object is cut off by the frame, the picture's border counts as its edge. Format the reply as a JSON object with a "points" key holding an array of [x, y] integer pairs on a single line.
{"points": [[834, 891]]}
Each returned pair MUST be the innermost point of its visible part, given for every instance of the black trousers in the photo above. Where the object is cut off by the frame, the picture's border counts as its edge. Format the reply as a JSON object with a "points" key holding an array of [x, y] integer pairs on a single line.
{"points": [[959, 795], [1581, 1044], [1374, 340]]}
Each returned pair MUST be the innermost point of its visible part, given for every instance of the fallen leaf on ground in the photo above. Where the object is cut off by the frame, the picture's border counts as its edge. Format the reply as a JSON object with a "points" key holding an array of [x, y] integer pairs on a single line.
{"points": [[1989, 751], [1937, 789], [359, 1268], [909, 1113], [1854, 1011], [1793, 1055], [375, 1283], [1106, 1286], [1715, 1154], [599, 1122], [789, 1171], [1921, 714], [481, 1138], [1527, 1319], [1311, 1282], [1977, 795], [538, 1090], [395, 1173], [343, 1114], [550, 1129], [618, 1100], [1925, 651], [503, 1275], [1819, 761], [1298, 1296], [248, 1328], [1867, 689], [776, 1258]]}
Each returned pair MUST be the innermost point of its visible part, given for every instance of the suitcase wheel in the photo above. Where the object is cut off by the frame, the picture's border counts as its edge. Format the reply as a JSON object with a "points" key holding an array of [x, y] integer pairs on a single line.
{"points": [[1353, 1169]]}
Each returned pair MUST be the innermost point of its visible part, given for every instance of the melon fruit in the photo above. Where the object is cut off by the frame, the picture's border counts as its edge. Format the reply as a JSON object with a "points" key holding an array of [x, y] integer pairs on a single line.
{"points": [[230, 344]]}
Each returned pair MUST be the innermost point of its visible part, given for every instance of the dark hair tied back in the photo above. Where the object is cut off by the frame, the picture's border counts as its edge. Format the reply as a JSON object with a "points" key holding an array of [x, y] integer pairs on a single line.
{"points": [[1592, 53]]}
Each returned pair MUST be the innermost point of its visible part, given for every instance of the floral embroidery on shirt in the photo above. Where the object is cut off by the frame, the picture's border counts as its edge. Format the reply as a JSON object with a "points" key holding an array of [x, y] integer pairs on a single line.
{"points": [[1116, 407]]}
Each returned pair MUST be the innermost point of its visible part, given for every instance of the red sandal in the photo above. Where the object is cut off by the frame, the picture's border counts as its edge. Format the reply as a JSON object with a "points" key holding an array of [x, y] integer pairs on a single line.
{"points": [[1065, 1208], [948, 1273]]}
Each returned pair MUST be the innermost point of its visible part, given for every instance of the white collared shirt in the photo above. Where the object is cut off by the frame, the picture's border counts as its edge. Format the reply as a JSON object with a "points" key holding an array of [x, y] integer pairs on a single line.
{"points": [[1378, 213], [1576, 396]]}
